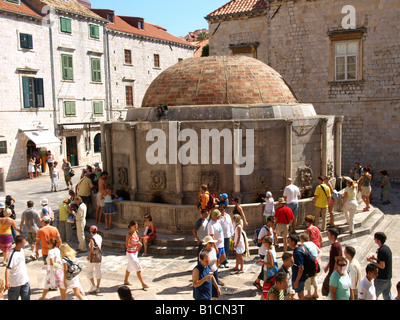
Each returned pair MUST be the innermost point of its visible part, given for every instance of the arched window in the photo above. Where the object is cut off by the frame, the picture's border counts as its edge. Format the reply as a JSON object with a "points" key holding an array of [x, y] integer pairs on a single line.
{"points": [[97, 143]]}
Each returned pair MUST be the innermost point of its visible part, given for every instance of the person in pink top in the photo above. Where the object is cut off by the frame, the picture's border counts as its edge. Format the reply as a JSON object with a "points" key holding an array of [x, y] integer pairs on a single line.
{"points": [[133, 246], [313, 231]]}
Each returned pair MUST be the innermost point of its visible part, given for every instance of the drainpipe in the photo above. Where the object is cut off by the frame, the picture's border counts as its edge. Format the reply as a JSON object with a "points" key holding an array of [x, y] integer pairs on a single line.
{"points": [[53, 82], [107, 73]]}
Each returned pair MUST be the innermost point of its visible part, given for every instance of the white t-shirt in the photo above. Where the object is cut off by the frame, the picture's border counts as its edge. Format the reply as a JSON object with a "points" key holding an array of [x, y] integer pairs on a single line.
{"points": [[226, 223], [269, 209], [262, 251], [366, 290], [18, 274], [213, 258], [215, 228], [98, 239], [291, 193]]}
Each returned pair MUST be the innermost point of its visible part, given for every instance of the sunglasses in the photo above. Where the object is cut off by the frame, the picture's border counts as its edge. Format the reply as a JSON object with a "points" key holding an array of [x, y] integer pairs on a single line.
{"points": [[342, 264]]}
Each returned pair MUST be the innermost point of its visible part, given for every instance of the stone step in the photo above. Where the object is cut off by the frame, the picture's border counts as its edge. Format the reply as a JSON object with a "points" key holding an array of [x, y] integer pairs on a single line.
{"points": [[185, 245]]}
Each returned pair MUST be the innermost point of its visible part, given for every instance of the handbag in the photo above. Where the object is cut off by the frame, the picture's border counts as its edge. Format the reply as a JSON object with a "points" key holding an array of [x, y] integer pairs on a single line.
{"points": [[73, 269], [96, 256], [271, 272], [71, 173]]}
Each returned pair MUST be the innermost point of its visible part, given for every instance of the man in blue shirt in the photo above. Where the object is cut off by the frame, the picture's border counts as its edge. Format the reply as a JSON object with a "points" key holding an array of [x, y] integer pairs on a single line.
{"points": [[203, 279], [298, 276]]}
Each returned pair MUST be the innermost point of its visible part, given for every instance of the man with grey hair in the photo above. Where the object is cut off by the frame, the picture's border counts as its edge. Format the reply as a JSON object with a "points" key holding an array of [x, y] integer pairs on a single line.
{"points": [[80, 218], [292, 194], [31, 218]]}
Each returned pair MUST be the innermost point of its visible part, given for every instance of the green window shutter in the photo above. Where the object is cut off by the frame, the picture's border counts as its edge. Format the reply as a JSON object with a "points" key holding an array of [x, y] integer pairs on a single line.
{"points": [[26, 41], [67, 67], [96, 70], [98, 107], [65, 25], [39, 93], [70, 108], [27, 92], [94, 31]]}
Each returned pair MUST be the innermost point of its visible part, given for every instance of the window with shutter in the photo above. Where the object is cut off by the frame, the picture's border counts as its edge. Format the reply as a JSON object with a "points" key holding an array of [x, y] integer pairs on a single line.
{"points": [[156, 61], [96, 70], [32, 92], [25, 41], [3, 147], [67, 67], [94, 31], [69, 108], [65, 24], [98, 107], [39, 93]]}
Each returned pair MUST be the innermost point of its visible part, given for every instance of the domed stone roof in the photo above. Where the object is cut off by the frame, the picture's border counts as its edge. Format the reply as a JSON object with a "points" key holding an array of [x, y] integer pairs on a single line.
{"points": [[218, 80]]}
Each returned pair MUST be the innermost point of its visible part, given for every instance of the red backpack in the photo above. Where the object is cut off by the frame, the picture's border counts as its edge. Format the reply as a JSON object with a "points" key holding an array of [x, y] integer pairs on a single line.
{"points": [[210, 203]]}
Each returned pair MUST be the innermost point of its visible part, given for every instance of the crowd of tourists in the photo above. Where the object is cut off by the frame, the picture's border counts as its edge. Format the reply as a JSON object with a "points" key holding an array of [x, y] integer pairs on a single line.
{"points": [[297, 274], [218, 234]]}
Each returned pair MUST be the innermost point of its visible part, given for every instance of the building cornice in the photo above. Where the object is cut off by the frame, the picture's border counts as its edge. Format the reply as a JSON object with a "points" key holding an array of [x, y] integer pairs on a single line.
{"points": [[147, 38]]}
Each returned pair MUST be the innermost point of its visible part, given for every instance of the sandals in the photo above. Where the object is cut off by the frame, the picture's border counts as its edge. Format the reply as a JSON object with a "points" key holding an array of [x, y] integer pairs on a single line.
{"points": [[257, 285]]}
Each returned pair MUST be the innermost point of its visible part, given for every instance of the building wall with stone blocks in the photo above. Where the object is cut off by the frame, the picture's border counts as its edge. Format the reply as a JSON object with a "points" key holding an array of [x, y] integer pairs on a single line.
{"points": [[82, 90], [297, 39], [141, 73], [16, 63]]}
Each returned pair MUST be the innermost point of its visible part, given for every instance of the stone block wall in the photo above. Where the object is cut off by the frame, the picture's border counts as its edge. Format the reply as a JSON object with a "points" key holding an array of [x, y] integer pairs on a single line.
{"points": [[294, 39]]}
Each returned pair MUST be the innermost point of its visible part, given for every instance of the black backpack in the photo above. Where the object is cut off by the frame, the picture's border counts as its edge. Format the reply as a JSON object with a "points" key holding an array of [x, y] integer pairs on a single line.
{"points": [[255, 236], [311, 265]]}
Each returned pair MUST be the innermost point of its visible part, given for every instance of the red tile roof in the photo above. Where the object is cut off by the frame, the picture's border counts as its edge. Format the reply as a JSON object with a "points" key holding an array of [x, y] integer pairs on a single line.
{"points": [[150, 30], [239, 6], [19, 8]]}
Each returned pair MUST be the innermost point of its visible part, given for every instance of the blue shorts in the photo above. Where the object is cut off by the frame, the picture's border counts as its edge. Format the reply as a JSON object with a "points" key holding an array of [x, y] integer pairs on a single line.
{"points": [[300, 288], [295, 208], [221, 251]]}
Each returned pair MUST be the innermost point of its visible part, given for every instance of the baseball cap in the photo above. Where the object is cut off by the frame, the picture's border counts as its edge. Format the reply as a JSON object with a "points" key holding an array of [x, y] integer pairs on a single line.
{"points": [[224, 195], [46, 218]]}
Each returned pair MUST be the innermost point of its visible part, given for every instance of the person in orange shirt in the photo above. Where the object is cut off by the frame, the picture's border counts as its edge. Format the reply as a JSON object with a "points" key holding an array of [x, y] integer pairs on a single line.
{"points": [[45, 233], [204, 196]]}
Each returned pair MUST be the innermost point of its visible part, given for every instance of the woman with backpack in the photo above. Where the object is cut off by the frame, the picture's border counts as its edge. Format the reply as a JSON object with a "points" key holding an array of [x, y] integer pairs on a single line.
{"points": [[71, 271], [94, 258]]}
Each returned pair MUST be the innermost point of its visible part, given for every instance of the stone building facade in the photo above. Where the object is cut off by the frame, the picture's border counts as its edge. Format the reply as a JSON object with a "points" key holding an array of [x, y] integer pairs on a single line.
{"points": [[63, 73], [26, 95], [342, 69]]}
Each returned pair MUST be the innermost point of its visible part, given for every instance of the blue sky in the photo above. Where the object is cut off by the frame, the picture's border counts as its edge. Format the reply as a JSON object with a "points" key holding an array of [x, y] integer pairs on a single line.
{"points": [[177, 16]]}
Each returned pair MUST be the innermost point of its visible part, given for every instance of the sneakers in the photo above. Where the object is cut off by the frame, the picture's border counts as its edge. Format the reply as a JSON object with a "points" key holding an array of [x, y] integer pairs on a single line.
{"points": [[93, 289]]}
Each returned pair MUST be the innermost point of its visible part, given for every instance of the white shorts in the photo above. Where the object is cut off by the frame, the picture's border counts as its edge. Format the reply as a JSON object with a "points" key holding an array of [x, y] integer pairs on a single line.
{"points": [[133, 262], [100, 202], [94, 268]]}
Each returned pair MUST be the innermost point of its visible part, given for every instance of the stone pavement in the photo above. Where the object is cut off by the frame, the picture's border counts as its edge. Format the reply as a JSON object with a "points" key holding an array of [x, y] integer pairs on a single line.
{"points": [[169, 277]]}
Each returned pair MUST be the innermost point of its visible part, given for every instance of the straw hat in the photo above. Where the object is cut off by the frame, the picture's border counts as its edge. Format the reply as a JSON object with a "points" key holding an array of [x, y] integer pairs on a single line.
{"points": [[216, 213], [282, 200], [208, 239]]}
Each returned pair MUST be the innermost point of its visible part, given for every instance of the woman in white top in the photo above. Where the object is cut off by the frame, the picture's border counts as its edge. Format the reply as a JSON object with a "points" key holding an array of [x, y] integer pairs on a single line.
{"points": [[31, 167], [54, 269], [239, 244], [349, 203], [54, 174], [94, 266], [68, 255]]}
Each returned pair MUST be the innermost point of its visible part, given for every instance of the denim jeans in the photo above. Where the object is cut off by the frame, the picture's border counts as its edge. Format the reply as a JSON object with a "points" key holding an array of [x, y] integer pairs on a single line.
{"points": [[23, 291], [383, 286]]}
